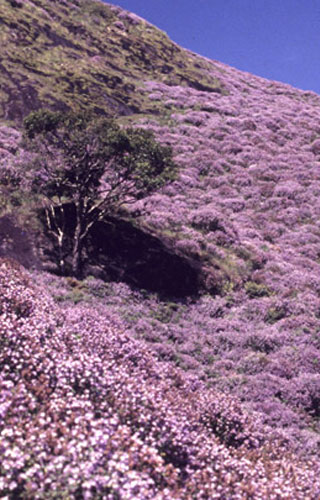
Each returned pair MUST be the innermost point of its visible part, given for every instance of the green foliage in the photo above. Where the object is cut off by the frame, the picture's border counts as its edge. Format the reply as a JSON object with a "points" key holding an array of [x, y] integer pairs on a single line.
{"points": [[255, 290], [93, 149], [41, 122], [46, 121], [150, 163]]}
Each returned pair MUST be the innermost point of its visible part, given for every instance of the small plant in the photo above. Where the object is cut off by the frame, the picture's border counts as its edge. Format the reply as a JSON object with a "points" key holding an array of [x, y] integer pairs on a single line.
{"points": [[15, 4], [98, 9], [274, 314], [255, 290], [165, 312]]}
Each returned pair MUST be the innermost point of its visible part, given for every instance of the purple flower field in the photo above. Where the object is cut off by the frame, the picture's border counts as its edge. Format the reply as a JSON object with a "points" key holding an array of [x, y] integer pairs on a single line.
{"points": [[114, 391], [88, 412], [247, 204]]}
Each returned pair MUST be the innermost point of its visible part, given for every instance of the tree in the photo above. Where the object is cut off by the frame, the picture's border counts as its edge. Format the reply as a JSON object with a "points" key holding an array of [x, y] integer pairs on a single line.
{"points": [[93, 166]]}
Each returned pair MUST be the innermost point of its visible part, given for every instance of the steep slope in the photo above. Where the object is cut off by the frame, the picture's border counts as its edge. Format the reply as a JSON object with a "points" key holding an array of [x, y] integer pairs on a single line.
{"points": [[88, 413], [248, 197], [78, 54], [246, 204]]}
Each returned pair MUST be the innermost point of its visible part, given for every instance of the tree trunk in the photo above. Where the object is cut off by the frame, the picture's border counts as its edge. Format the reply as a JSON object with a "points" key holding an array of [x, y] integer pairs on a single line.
{"points": [[77, 244], [55, 222], [77, 259], [61, 264]]}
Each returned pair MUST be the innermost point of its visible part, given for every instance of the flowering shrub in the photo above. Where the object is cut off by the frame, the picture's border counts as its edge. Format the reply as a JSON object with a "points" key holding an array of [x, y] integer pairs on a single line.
{"points": [[87, 412]]}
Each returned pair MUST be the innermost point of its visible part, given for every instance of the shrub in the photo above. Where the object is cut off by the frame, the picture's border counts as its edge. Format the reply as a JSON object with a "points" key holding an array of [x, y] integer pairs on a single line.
{"points": [[254, 289]]}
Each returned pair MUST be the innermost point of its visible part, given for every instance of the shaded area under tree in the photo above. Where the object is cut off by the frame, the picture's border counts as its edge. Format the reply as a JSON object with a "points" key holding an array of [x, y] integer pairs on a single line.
{"points": [[116, 249], [124, 252]]}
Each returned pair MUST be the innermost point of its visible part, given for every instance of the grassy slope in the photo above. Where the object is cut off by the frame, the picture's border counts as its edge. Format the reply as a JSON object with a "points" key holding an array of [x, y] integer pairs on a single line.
{"points": [[86, 54]]}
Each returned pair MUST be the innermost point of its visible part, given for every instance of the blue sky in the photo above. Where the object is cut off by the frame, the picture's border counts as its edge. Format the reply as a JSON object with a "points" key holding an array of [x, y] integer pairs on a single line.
{"points": [[276, 39]]}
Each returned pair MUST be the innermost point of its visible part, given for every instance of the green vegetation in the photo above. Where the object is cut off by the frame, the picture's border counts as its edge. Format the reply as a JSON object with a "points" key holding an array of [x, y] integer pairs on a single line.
{"points": [[91, 56], [255, 290]]}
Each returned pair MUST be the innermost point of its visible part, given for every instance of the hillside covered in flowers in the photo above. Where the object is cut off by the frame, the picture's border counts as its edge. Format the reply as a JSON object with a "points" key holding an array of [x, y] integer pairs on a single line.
{"points": [[88, 412], [186, 363]]}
